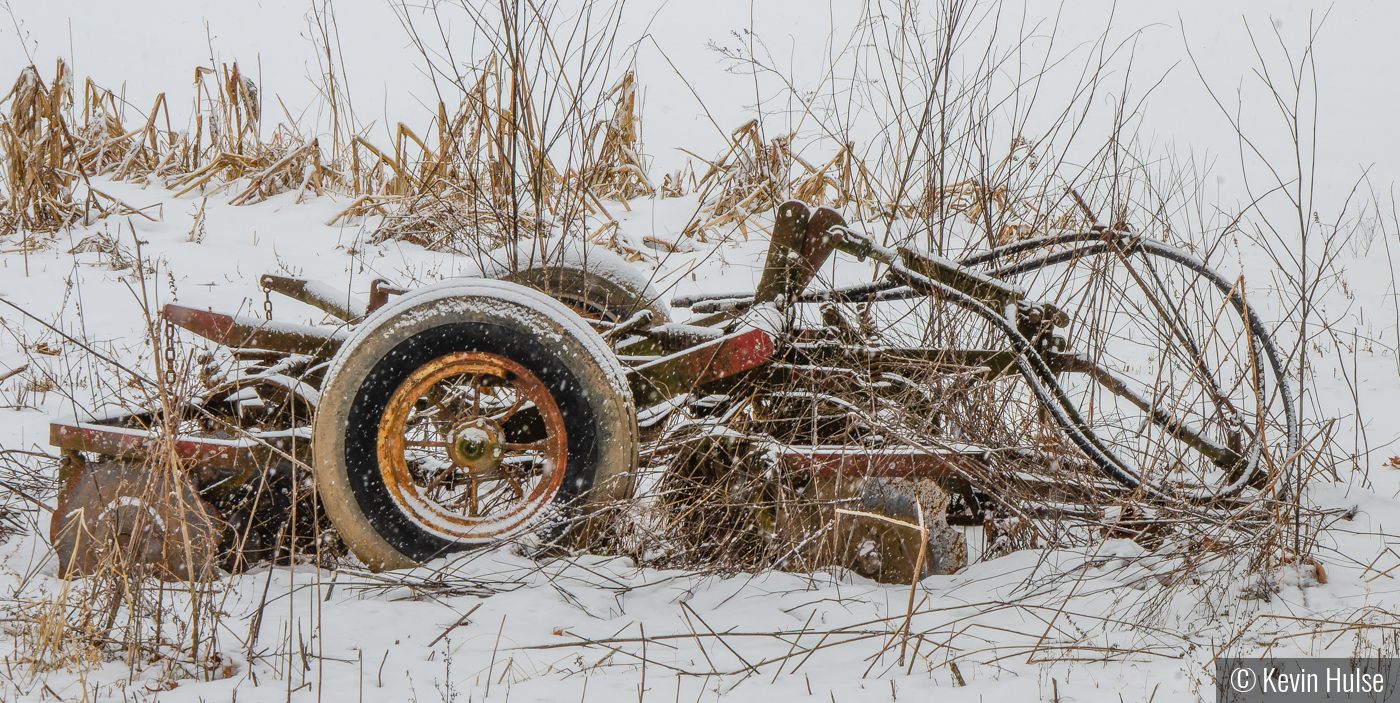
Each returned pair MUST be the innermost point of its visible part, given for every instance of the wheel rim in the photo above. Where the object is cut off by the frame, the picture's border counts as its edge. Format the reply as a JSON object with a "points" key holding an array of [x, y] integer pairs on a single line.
{"points": [[472, 445], [1168, 330]]}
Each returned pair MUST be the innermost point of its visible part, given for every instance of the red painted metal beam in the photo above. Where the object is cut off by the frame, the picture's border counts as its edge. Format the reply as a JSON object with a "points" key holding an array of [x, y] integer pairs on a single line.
{"points": [[682, 372], [248, 332], [122, 442]]}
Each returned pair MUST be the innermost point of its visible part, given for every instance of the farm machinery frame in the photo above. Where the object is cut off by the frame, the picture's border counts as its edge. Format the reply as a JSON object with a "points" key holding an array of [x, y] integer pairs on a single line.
{"points": [[455, 415]]}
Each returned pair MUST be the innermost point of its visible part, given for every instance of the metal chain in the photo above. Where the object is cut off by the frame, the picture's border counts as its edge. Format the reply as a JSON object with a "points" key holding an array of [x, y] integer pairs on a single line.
{"points": [[267, 302], [169, 354]]}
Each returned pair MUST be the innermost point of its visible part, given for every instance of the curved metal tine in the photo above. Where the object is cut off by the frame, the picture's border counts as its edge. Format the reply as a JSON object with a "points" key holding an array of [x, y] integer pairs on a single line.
{"points": [[429, 421], [1221, 456], [1175, 426], [1173, 317], [1195, 360]]}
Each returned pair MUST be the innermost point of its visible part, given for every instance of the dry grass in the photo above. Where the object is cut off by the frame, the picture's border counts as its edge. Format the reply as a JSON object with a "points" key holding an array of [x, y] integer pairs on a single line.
{"points": [[124, 610], [42, 165], [484, 183], [619, 172]]}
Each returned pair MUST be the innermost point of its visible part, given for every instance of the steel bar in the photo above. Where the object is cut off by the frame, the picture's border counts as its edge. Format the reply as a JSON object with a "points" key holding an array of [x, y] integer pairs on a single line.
{"points": [[318, 295], [840, 460], [1119, 386], [685, 371], [247, 332], [128, 443]]}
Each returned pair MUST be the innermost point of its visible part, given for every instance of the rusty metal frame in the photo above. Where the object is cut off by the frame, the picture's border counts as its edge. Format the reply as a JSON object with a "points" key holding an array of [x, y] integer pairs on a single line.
{"points": [[128, 443], [667, 361], [686, 371], [247, 332]]}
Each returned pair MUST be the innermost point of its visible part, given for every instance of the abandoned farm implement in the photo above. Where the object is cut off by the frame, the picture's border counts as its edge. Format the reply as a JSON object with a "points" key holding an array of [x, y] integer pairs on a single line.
{"points": [[458, 414]]}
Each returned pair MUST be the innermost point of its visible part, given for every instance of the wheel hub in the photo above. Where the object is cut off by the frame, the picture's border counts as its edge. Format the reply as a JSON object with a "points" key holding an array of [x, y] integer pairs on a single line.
{"points": [[475, 445]]}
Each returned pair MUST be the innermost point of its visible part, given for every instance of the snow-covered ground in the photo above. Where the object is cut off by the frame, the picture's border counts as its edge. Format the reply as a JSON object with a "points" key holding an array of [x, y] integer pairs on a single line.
{"points": [[1019, 627]]}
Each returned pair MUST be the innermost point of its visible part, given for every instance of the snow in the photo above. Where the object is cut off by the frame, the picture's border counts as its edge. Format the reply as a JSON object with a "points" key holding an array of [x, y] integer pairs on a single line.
{"points": [[1017, 626], [533, 309], [572, 252], [125, 501]]}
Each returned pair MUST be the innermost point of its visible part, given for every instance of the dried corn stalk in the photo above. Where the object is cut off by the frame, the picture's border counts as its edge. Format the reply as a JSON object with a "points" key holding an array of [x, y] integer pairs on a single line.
{"points": [[748, 179], [485, 181], [618, 172], [39, 154]]}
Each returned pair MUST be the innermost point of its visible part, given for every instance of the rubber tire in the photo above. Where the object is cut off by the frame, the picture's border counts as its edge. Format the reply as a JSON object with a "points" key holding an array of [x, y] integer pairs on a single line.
{"points": [[600, 282], [499, 317]]}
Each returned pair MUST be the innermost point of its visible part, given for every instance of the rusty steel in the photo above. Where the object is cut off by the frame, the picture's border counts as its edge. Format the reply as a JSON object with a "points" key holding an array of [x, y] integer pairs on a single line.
{"points": [[996, 362], [237, 455], [802, 241], [474, 445], [685, 371], [316, 294], [789, 231], [1223, 457], [126, 515], [379, 292], [246, 332], [850, 462], [819, 241]]}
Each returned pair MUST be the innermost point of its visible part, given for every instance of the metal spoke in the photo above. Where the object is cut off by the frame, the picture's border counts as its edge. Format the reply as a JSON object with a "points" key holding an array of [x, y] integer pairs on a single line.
{"points": [[437, 481], [510, 412]]}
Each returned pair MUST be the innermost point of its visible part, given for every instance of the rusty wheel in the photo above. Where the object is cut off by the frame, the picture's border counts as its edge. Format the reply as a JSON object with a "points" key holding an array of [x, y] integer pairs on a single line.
{"points": [[595, 283], [473, 442], [124, 516], [465, 413], [602, 287]]}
